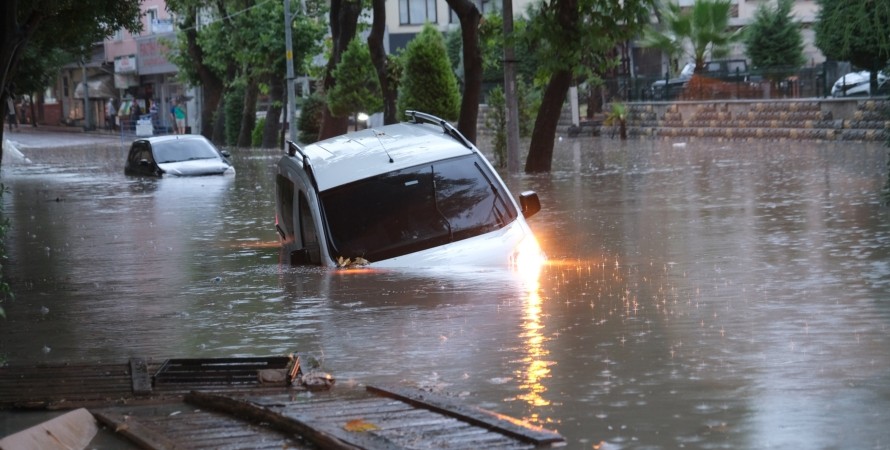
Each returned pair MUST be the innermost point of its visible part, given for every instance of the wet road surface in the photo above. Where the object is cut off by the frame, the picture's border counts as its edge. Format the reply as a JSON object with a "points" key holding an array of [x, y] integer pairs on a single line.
{"points": [[698, 295]]}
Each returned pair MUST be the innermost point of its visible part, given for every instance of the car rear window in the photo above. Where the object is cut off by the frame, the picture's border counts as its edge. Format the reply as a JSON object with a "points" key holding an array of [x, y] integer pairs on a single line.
{"points": [[414, 209], [183, 150]]}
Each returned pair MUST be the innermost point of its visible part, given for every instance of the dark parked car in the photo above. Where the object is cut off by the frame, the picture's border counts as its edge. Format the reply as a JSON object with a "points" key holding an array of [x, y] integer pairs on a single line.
{"points": [[177, 155]]}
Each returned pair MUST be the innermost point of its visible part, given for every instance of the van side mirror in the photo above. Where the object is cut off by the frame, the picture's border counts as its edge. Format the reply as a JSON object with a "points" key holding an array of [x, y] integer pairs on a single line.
{"points": [[529, 203]]}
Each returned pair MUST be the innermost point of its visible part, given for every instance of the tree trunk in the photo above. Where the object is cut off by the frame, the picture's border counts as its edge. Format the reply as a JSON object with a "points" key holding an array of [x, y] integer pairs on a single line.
{"points": [[540, 153], [273, 124], [219, 123], [344, 20], [378, 57], [211, 85], [248, 114], [469, 30]]}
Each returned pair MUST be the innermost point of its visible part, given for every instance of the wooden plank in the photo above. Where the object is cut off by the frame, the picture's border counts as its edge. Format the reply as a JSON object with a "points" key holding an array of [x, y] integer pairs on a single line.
{"points": [[350, 409], [477, 416], [324, 438], [134, 430], [140, 377]]}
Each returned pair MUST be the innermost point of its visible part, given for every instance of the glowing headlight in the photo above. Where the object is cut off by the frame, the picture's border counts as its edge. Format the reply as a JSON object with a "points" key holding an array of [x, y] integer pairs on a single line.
{"points": [[362, 117], [527, 257]]}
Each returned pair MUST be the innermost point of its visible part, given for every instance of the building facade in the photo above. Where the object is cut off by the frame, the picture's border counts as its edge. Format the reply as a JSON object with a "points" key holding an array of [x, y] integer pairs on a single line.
{"points": [[128, 74]]}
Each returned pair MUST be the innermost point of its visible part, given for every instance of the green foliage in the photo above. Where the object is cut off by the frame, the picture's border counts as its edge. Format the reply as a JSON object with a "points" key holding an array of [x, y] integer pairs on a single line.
{"points": [[704, 27], [491, 43], [496, 120], [454, 46], [774, 41], [854, 31], [39, 67], [256, 136], [616, 115], [428, 83], [234, 106], [358, 88], [496, 117], [309, 122]]}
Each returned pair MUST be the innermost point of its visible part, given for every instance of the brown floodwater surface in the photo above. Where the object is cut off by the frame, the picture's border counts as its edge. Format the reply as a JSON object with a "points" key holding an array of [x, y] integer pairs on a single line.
{"points": [[697, 294]]}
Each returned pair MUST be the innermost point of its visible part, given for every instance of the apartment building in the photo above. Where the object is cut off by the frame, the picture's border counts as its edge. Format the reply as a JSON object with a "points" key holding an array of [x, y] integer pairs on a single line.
{"points": [[128, 69]]}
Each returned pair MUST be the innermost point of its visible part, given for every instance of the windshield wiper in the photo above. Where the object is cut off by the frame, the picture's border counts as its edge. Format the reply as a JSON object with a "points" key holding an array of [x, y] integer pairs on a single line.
{"points": [[498, 214]]}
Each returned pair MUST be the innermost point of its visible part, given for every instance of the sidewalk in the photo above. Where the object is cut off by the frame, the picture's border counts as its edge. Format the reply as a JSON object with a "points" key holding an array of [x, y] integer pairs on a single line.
{"points": [[27, 136]]}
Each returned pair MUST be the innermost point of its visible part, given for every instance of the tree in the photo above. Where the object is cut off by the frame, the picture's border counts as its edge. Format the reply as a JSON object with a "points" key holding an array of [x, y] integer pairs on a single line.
{"points": [[428, 84], [472, 61], [491, 43], [855, 31], [357, 89], [387, 67], [200, 57], [309, 122], [71, 26], [774, 42], [700, 32], [567, 33], [344, 22]]}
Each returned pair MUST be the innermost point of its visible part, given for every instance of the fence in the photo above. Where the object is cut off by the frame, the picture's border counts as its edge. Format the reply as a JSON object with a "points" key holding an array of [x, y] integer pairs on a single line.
{"points": [[809, 82]]}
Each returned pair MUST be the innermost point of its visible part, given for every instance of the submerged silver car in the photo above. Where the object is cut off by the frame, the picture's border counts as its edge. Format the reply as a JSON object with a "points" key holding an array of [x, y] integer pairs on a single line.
{"points": [[413, 194], [185, 155]]}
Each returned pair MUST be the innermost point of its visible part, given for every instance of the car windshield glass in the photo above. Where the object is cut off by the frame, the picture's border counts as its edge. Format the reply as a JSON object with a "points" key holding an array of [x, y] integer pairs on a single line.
{"points": [[415, 209], [182, 150]]}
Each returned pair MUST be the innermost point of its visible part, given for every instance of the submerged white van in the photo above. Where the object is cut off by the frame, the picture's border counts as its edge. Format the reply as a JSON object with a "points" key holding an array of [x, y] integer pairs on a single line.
{"points": [[413, 194]]}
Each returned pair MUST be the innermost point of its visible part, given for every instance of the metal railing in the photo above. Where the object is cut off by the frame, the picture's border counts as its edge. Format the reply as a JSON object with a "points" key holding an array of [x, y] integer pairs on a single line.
{"points": [[814, 82]]}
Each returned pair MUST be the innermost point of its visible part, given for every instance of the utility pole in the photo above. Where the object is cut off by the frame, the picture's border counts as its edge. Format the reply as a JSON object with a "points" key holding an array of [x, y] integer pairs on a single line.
{"points": [[291, 101], [512, 103]]}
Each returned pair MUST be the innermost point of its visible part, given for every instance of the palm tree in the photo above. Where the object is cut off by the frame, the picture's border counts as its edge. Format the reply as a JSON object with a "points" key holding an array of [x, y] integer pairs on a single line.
{"points": [[700, 32]]}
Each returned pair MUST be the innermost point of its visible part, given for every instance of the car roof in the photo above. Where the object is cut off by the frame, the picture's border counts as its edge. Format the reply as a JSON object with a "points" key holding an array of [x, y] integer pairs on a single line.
{"points": [[366, 153], [172, 137]]}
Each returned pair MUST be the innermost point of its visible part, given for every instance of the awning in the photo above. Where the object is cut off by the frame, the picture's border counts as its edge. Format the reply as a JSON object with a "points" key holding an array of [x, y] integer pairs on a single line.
{"points": [[98, 88]]}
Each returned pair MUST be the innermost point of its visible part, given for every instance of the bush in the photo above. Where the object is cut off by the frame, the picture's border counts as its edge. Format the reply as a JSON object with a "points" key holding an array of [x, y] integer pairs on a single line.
{"points": [[256, 136], [309, 123], [234, 104], [428, 83]]}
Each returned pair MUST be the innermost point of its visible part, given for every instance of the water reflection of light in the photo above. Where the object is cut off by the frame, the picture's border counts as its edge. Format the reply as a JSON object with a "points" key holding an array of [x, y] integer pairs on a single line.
{"points": [[536, 367]]}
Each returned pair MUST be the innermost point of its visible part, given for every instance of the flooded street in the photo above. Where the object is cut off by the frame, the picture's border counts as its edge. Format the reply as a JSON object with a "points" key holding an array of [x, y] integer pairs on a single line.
{"points": [[698, 295]]}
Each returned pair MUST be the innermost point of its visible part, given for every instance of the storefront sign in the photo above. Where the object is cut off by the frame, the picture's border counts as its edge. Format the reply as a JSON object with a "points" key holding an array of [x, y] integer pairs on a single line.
{"points": [[125, 64], [153, 55]]}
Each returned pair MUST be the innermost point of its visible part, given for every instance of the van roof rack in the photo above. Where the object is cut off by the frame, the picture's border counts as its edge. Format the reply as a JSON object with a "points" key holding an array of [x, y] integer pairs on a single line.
{"points": [[422, 117]]}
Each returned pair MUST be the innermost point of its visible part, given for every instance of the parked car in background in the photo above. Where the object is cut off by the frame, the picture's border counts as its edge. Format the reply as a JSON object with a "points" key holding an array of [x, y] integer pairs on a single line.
{"points": [[724, 70], [857, 84], [177, 155], [412, 194]]}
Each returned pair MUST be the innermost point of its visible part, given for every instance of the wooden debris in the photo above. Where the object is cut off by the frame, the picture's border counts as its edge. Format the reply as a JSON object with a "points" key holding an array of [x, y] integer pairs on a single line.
{"points": [[70, 431]]}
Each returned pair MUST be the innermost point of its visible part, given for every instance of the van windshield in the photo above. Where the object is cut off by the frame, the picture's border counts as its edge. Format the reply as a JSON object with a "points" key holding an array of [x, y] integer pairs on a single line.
{"points": [[414, 209]]}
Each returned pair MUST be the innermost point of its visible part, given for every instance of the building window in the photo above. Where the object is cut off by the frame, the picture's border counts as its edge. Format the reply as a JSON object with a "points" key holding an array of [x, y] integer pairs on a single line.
{"points": [[151, 16], [484, 7], [417, 12]]}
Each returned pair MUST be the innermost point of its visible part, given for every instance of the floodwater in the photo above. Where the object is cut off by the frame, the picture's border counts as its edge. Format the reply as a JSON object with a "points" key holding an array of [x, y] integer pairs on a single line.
{"points": [[698, 294]]}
